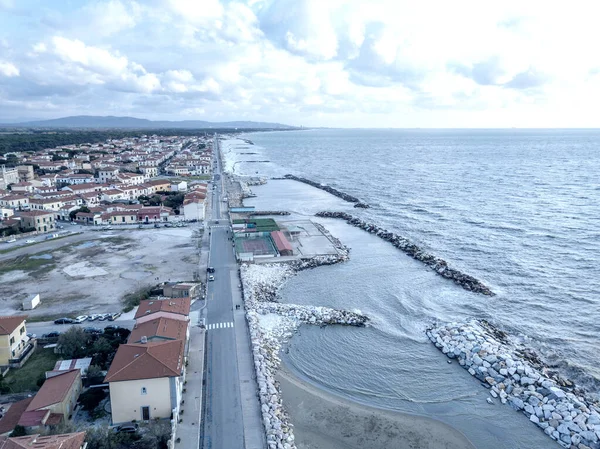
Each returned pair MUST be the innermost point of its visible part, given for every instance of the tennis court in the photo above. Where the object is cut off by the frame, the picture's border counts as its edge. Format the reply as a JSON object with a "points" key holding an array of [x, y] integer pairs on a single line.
{"points": [[259, 246]]}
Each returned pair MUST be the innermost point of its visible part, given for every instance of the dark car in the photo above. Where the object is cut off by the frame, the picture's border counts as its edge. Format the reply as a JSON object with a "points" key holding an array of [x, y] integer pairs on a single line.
{"points": [[210, 269], [92, 330], [156, 225], [64, 321], [130, 428], [51, 335], [111, 327]]}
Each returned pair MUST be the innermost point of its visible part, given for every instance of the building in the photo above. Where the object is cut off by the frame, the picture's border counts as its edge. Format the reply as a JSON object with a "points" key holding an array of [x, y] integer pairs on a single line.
{"points": [[54, 402], [175, 308], [194, 206], [282, 244], [8, 176], [107, 174], [62, 366], [40, 220], [180, 289], [15, 201], [25, 172], [159, 329], [145, 381], [14, 343], [153, 214], [62, 441]]}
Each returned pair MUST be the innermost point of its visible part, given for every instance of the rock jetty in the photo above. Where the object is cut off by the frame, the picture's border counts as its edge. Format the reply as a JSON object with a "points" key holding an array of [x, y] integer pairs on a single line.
{"points": [[270, 212], [514, 375], [271, 324], [335, 192], [440, 266]]}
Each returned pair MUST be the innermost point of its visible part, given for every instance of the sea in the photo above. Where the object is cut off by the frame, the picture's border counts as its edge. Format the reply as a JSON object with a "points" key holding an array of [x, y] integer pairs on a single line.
{"points": [[517, 209]]}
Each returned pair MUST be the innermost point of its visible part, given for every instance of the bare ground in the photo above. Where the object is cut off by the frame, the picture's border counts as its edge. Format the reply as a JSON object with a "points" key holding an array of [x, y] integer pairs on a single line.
{"points": [[93, 275]]}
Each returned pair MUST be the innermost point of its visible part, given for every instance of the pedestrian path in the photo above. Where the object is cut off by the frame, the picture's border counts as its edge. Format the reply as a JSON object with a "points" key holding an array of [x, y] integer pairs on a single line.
{"points": [[219, 325]]}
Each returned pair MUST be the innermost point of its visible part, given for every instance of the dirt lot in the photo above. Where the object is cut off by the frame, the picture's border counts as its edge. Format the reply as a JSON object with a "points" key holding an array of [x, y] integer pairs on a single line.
{"points": [[93, 274]]}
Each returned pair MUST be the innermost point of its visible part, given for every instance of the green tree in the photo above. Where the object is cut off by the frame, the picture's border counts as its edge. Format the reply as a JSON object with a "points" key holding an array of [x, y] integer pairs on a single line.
{"points": [[73, 213], [18, 431], [74, 343]]}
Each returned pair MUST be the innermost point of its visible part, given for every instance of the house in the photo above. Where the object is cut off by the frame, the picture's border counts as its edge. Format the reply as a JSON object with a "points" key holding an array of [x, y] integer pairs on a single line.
{"points": [[61, 441], [157, 185], [6, 213], [179, 186], [12, 416], [152, 214], [282, 244], [145, 381], [194, 206], [41, 220], [180, 290], [15, 201], [121, 217], [46, 203], [22, 187], [55, 400], [159, 329], [112, 195], [175, 308], [14, 342], [107, 174]]}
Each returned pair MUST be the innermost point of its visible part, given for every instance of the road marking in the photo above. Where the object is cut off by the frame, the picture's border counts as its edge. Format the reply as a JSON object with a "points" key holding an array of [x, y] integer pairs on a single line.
{"points": [[219, 325]]}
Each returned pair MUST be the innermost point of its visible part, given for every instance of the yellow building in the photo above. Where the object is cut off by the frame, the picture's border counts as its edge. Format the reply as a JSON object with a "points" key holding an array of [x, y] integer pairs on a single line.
{"points": [[13, 338], [145, 381]]}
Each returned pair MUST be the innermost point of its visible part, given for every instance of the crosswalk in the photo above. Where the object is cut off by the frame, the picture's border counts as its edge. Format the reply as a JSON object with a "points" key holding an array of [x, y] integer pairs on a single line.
{"points": [[219, 325]]}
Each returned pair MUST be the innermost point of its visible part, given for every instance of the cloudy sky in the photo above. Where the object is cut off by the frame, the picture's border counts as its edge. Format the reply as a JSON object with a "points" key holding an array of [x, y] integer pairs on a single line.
{"points": [[369, 63]]}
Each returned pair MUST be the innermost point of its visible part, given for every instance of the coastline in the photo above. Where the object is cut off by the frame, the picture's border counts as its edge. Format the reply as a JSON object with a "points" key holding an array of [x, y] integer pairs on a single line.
{"points": [[326, 421]]}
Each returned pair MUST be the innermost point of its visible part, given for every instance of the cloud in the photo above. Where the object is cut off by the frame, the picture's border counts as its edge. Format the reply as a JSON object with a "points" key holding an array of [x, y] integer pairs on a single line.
{"points": [[8, 69], [335, 62]]}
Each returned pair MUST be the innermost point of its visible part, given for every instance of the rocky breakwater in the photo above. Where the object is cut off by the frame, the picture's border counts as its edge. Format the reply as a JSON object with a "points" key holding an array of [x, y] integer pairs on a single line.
{"points": [[516, 376], [440, 266], [271, 324], [335, 192]]}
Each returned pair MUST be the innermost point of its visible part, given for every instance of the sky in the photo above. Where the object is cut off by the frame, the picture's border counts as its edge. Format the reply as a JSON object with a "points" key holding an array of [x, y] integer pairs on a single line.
{"points": [[334, 63]]}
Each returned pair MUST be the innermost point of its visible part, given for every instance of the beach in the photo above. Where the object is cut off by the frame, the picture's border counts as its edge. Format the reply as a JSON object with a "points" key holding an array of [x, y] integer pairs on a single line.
{"points": [[324, 421]]}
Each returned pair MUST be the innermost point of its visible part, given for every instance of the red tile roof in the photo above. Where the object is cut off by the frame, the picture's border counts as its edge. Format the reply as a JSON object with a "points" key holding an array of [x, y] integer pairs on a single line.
{"points": [[8, 324], [180, 306], [54, 390], [63, 441], [163, 328], [13, 415], [147, 361]]}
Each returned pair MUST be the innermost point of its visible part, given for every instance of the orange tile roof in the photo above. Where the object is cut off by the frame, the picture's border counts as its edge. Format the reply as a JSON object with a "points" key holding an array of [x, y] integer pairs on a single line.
{"points": [[162, 328], [147, 361], [179, 306], [63, 441], [8, 324], [54, 390]]}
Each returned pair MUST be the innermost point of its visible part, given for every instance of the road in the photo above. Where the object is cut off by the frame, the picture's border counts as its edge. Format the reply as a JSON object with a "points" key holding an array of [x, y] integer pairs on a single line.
{"points": [[40, 328], [222, 423]]}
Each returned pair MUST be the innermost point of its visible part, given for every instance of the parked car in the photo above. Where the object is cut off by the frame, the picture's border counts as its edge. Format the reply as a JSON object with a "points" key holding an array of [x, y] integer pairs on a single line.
{"points": [[30, 335], [64, 321], [129, 428], [92, 330], [114, 316], [94, 316], [211, 278], [210, 269], [80, 319], [29, 241], [51, 335], [111, 327], [104, 316], [11, 240], [156, 225]]}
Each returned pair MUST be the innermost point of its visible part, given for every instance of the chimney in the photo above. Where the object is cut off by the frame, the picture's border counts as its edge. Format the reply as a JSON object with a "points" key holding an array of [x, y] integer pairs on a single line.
{"points": [[144, 339]]}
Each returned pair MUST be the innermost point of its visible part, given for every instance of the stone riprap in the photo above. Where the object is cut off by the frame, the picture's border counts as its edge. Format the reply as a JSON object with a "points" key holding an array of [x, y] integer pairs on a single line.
{"points": [[335, 192], [440, 266], [260, 285], [269, 212], [515, 376]]}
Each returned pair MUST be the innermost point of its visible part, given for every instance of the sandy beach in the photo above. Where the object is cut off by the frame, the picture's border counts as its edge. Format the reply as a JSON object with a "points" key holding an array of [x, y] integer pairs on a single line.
{"points": [[325, 421]]}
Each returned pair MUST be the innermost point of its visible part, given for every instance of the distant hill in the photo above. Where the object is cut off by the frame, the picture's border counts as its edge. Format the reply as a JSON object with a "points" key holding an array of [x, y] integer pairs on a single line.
{"points": [[91, 121]]}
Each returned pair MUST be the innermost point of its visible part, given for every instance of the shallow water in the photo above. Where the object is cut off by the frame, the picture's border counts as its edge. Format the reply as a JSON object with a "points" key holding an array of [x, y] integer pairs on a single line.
{"points": [[517, 210]]}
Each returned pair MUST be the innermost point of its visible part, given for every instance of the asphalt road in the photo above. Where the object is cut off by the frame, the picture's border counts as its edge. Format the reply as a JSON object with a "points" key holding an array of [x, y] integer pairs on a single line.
{"points": [[40, 328], [223, 424]]}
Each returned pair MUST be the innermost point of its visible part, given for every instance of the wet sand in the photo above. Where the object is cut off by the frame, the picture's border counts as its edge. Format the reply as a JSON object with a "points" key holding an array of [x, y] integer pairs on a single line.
{"points": [[325, 421]]}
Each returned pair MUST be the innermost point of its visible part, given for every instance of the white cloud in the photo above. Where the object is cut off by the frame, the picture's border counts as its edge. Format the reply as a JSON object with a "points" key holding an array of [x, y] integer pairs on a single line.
{"points": [[8, 69]]}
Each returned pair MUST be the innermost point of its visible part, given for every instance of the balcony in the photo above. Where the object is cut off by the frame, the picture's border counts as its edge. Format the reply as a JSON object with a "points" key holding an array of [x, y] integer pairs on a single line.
{"points": [[18, 362]]}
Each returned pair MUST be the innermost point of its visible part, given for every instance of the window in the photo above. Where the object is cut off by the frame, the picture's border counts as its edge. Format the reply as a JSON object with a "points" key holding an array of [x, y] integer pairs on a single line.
{"points": [[144, 391], [22, 331], [12, 340]]}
